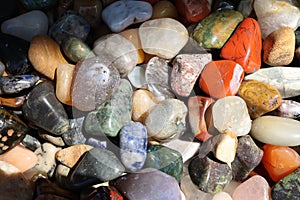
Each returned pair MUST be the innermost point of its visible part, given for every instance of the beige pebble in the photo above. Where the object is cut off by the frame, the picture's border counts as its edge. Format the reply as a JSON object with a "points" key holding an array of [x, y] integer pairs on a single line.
{"points": [[225, 149], [64, 75]]}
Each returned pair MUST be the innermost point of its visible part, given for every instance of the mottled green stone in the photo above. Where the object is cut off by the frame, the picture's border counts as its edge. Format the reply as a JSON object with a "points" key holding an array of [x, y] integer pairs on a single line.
{"points": [[75, 49], [164, 159], [215, 29], [287, 188], [209, 175], [113, 114]]}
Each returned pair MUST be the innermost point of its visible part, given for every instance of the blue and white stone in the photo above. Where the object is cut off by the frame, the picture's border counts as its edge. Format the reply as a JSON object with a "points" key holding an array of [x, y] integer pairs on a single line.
{"points": [[121, 14], [133, 145]]}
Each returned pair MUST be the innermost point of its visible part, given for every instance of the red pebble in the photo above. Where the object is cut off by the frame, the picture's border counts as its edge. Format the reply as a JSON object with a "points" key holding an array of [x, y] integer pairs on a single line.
{"points": [[193, 10]]}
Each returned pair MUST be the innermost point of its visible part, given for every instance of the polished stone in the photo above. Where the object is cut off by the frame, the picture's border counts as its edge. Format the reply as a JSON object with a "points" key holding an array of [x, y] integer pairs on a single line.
{"points": [[137, 77], [164, 9], [38, 4], [13, 84], [225, 149], [193, 11], [288, 108]]}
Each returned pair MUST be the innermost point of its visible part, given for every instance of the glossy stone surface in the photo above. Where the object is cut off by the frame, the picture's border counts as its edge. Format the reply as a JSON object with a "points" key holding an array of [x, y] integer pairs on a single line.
{"points": [[279, 47], [288, 108], [248, 156], [119, 50], [186, 70], [113, 114], [137, 77], [38, 4], [133, 145], [13, 84], [64, 76], [74, 135], [90, 10], [221, 78], [193, 11], [225, 149], [13, 54], [166, 119], [75, 49], [215, 29], [275, 130], [245, 46], [69, 24], [96, 166], [246, 7], [147, 184], [45, 55], [163, 37], [94, 77], [164, 9], [260, 97], [121, 14], [27, 25], [164, 159], [286, 188], [280, 161], [43, 109], [14, 102], [256, 187], [105, 192]]}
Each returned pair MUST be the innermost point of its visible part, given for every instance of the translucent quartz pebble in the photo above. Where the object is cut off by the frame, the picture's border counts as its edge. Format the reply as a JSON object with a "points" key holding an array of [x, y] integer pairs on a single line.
{"points": [[27, 25], [137, 77], [122, 53], [230, 114], [284, 79], [121, 14], [163, 37], [274, 14], [276, 130]]}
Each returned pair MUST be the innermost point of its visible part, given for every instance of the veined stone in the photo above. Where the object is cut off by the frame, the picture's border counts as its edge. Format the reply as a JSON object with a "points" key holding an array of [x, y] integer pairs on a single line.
{"points": [[276, 130], [163, 37], [26, 25], [284, 79]]}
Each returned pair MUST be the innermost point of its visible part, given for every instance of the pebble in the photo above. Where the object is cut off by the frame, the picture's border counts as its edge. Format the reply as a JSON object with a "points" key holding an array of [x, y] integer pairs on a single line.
{"points": [[14, 84], [225, 149], [121, 14], [279, 47], [27, 25], [222, 196], [164, 9], [288, 109], [105, 192], [39, 4], [137, 77], [270, 129], [193, 11], [147, 184], [163, 37]]}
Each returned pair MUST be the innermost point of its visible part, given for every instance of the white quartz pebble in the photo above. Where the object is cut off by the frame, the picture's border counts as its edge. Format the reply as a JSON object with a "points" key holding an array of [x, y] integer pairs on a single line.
{"points": [[221, 196]]}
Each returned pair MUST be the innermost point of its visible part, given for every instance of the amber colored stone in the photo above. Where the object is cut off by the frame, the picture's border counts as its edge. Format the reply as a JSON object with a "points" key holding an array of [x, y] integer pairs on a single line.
{"points": [[133, 36], [221, 78], [45, 55], [197, 106], [280, 161], [260, 97], [193, 10], [13, 102], [21, 157], [245, 45], [163, 9]]}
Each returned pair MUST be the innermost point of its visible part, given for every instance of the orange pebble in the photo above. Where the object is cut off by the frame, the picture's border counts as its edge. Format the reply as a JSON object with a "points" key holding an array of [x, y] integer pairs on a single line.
{"points": [[279, 161]]}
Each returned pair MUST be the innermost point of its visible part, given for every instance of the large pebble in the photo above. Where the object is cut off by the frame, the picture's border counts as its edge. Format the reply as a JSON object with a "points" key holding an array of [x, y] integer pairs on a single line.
{"points": [[163, 37], [276, 130], [121, 14]]}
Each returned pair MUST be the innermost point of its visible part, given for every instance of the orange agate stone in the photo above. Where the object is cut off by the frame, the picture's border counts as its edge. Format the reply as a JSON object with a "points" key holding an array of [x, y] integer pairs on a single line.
{"points": [[221, 78], [245, 46], [279, 161]]}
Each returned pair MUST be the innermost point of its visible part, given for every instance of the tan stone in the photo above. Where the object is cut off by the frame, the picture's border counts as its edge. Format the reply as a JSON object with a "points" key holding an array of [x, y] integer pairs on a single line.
{"points": [[45, 55], [225, 149], [64, 76], [279, 47]]}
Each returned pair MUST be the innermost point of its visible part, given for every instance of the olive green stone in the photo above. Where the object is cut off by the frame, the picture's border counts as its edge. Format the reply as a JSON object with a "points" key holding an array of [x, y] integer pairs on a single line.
{"points": [[287, 188], [164, 159], [215, 29]]}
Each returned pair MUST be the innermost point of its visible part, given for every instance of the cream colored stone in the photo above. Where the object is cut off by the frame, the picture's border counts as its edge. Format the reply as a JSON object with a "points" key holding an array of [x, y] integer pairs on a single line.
{"points": [[64, 75], [225, 149], [222, 196]]}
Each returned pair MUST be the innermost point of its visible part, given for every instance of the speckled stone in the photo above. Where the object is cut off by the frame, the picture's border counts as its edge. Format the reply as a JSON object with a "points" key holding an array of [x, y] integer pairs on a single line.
{"points": [[133, 145], [74, 135], [56, 140], [13, 84]]}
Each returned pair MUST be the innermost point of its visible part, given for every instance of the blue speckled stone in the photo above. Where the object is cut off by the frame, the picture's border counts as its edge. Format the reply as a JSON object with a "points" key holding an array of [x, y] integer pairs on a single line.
{"points": [[133, 145], [121, 14]]}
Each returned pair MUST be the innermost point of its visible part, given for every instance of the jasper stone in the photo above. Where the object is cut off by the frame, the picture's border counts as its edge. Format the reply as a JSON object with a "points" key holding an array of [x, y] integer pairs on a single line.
{"points": [[186, 70], [163, 37], [279, 47], [121, 14], [13, 54], [287, 187], [13, 130], [93, 83], [147, 184], [221, 78], [96, 166], [164, 159], [209, 175], [215, 29], [166, 119], [112, 115], [270, 129], [193, 11], [27, 25], [248, 156], [43, 109], [133, 145], [245, 45], [260, 97]]}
